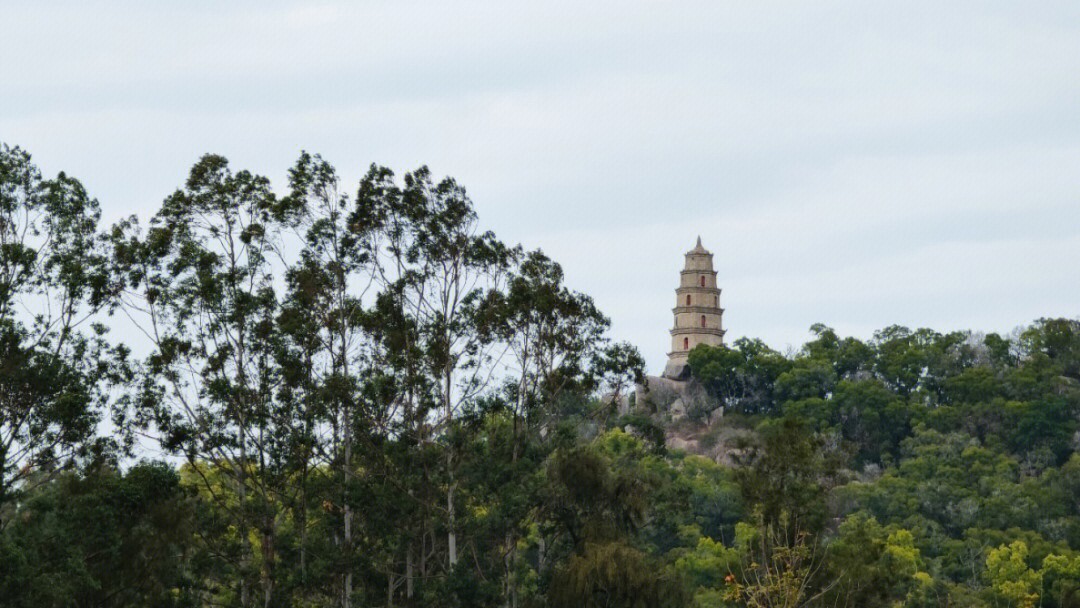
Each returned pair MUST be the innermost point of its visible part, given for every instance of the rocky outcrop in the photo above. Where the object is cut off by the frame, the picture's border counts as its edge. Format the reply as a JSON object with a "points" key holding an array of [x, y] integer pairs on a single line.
{"points": [[676, 399]]}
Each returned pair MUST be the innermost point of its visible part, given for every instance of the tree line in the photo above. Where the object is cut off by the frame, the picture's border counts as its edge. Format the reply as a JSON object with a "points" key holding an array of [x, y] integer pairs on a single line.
{"points": [[357, 396]]}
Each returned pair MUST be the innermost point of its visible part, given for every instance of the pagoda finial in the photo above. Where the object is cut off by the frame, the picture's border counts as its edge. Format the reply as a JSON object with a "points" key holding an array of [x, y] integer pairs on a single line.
{"points": [[698, 249]]}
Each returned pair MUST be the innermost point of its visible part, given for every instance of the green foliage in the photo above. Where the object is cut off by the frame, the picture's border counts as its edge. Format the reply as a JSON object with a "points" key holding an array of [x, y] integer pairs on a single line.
{"points": [[614, 575], [56, 367], [1011, 578], [777, 569], [743, 378], [708, 565], [101, 539], [872, 566], [1061, 580], [787, 472]]}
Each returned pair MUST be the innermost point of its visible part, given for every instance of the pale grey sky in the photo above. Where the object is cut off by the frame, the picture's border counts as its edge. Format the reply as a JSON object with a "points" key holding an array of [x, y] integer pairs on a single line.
{"points": [[854, 163]]}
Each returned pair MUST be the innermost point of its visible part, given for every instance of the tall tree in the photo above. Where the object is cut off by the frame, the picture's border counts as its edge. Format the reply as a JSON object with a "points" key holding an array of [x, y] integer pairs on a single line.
{"points": [[555, 336], [558, 349], [203, 277], [330, 344], [437, 269], [55, 365]]}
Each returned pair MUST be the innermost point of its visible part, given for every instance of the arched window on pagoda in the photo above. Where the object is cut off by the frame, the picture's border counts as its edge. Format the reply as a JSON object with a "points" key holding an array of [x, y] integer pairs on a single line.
{"points": [[702, 280], [703, 320], [716, 300], [686, 343], [688, 299]]}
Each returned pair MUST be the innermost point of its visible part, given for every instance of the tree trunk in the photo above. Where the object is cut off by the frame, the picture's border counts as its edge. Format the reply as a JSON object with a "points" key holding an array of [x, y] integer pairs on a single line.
{"points": [[268, 549], [451, 536], [408, 572], [303, 517], [245, 543], [346, 594], [451, 516], [508, 563]]}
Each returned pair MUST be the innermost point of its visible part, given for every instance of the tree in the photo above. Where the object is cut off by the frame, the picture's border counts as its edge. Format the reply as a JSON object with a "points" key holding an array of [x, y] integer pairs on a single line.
{"points": [[1010, 576], [848, 356], [779, 565], [596, 504], [204, 275], [614, 575], [553, 333], [742, 378], [1057, 339], [438, 269], [872, 565], [55, 364], [1061, 579], [872, 418], [785, 472], [101, 539], [327, 350]]}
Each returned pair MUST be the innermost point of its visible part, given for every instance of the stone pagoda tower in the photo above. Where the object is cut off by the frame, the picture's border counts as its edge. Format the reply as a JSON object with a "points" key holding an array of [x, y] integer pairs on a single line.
{"points": [[698, 316]]}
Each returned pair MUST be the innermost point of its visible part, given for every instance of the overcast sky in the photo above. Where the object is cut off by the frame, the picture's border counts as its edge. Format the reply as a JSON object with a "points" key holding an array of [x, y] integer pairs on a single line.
{"points": [[850, 163]]}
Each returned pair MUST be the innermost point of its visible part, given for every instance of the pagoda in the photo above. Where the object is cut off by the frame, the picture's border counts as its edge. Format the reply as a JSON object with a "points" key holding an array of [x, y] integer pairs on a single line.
{"points": [[698, 316]]}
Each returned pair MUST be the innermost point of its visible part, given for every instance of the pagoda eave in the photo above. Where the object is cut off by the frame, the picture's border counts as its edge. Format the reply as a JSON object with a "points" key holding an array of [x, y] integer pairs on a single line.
{"points": [[715, 310], [697, 289], [697, 331]]}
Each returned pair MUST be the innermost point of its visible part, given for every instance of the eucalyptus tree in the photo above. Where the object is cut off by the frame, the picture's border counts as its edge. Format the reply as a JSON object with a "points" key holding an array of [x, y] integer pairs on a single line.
{"points": [[55, 365], [436, 269], [327, 347], [554, 334], [201, 285], [557, 349]]}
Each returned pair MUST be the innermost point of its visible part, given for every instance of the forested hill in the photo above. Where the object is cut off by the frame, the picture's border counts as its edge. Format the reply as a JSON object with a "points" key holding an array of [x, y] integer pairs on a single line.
{"points": [[362, 398]]}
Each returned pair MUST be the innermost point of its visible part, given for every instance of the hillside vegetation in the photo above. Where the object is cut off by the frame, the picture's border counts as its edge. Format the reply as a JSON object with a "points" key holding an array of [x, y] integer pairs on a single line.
{"points": [[331, 396]]}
